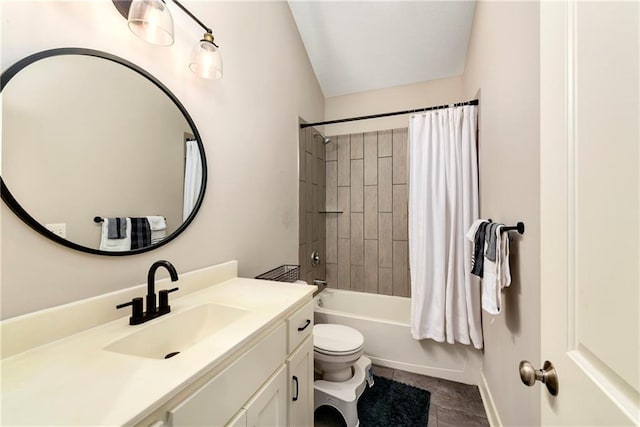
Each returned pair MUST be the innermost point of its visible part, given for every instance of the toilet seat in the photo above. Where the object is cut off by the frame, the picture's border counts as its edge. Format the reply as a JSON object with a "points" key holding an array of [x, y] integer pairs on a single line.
{"points": [[337, 353], [338, 340]]}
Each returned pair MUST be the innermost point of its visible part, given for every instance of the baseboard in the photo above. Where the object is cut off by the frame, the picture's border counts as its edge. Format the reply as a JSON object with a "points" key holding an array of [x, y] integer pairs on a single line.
{"points": [[487, 401], [464, 377]]}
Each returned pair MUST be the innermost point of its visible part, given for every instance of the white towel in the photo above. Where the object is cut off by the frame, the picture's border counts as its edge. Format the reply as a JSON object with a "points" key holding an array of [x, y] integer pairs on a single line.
{"points": [[471, 235], [157, 236], [158, 228], [497, 275], [115, 245], [156, 222]]}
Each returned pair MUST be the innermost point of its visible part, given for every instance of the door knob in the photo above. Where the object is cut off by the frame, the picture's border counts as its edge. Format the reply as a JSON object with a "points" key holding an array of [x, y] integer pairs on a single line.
{"points": [[547, 375]]}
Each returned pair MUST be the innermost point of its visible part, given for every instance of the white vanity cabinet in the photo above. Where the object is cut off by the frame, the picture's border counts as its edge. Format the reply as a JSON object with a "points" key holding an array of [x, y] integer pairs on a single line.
{"points": [[235, 371], [300, 367], [270, 384]]}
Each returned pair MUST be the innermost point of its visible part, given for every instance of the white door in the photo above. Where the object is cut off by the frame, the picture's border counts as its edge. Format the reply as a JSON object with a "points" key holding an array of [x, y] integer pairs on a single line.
{"points": [[590, 219]]}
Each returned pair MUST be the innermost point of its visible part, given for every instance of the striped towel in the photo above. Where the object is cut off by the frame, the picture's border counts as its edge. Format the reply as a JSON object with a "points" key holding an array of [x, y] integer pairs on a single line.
{"points": [[140, 233]]}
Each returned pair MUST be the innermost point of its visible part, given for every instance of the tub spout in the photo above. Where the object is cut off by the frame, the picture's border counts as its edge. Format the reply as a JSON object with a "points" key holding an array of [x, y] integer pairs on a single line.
{"points": [[319, 282]]}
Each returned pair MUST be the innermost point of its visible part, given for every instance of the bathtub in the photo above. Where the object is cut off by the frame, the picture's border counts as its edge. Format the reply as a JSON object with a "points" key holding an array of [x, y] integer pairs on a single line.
{"points": [[384, 322]]}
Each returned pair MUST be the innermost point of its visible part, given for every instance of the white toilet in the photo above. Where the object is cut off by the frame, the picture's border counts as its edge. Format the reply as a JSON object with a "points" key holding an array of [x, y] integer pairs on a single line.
{"points": [[338, 359]]}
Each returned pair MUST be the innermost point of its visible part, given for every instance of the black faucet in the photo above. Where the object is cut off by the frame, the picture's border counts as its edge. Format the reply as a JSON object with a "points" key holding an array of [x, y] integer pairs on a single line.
{"points": [[151, 279], [153, 311]]}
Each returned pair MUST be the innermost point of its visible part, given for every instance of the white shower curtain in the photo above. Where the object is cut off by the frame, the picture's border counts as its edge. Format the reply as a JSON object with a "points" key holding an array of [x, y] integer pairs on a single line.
{"points": [[443, 202], [192, 178]]}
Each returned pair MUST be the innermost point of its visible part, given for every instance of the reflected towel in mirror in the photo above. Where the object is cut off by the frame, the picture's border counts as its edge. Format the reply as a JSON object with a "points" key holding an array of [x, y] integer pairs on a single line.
{"points": [[117, 228], [140, 233], [158, 226], [118, 244]]}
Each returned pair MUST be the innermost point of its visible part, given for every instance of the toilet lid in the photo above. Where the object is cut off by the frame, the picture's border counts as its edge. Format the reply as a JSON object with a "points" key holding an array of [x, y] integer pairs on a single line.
{"points": [[336, 338]]}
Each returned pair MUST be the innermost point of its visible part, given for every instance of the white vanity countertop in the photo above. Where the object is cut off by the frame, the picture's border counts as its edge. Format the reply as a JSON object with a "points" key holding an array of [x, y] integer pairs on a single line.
{"points": [[75, 381]]}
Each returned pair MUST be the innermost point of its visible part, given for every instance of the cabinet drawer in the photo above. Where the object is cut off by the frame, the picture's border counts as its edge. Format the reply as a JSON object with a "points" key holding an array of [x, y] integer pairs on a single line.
{"points": [[300, 326], [221, 398]]}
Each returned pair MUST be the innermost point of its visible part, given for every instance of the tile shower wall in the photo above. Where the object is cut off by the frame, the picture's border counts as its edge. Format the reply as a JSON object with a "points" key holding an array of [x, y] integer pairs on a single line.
{"points": [[312, 200], [366, 179]]}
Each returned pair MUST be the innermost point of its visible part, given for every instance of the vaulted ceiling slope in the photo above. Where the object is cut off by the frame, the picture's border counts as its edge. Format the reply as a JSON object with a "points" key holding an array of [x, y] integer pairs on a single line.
{"points": [[355, 46]]}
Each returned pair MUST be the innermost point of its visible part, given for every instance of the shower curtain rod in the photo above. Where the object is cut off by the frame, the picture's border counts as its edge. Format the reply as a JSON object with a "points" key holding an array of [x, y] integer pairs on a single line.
{"points": [[395, 113]]}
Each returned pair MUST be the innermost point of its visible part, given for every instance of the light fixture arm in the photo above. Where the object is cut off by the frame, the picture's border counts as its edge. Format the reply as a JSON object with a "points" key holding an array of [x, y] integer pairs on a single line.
{"points": [[192, 16]]}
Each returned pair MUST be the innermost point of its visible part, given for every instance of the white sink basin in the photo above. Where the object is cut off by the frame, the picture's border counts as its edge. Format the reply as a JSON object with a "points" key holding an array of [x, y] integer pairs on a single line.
{"points": [[176, 332]]}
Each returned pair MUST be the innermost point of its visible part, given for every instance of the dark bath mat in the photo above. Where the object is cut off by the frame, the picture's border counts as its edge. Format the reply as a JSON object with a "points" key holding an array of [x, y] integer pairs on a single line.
{"points": [[390, 403]]}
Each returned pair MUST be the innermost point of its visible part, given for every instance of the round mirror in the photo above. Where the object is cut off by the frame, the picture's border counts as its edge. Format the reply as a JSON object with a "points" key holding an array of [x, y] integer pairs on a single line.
{"points": [[97, 154]]}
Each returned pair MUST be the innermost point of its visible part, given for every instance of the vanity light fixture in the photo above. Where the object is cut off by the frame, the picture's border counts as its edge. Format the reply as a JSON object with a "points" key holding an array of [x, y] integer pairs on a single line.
{"points": [[206, 60], [151, 21]]}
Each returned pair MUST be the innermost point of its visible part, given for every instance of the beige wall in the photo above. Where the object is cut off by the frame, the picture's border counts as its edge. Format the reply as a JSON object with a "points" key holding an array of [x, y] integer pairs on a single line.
{"points": [[249, 126], [399, 98], [503, 65], [79, 144]]}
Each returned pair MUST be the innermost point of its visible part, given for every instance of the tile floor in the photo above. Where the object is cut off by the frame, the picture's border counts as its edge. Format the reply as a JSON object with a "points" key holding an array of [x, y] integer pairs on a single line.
{"points": [[452, 404]]}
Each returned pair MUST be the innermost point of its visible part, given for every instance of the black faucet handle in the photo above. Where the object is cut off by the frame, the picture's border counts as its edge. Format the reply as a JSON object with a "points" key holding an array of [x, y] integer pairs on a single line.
{"points": [[136, 310], [164, 299]]}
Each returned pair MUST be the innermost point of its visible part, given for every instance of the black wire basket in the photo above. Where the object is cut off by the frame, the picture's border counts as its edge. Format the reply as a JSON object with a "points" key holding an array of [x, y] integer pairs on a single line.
{"points": [[284, 273]]}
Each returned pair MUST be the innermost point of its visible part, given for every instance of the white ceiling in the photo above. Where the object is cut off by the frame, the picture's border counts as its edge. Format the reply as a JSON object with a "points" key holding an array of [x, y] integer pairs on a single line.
{"points": [[355, 46]]}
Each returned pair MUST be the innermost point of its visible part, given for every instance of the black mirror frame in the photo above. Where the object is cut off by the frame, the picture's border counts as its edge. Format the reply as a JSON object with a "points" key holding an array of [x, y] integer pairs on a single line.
{"points": [[15, 206]]}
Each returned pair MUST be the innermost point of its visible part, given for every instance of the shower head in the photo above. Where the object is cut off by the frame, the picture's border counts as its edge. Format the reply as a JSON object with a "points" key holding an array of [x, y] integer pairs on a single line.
{"points": [[325, 140]]}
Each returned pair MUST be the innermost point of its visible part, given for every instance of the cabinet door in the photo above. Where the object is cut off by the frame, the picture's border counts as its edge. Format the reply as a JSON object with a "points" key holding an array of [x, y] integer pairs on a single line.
{"points": [[300, 369], [268, 407], [220, 399]]}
